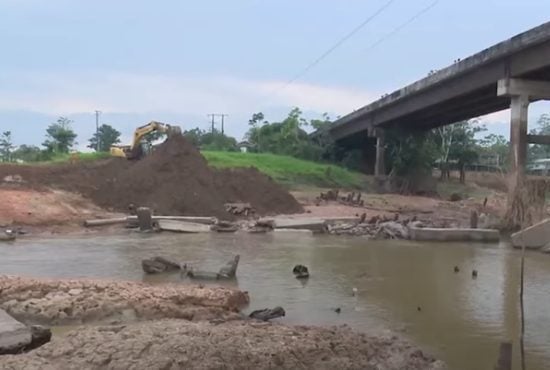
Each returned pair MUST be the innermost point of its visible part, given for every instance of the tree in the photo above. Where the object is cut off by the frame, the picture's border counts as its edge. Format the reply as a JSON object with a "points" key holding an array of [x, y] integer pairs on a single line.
{"points": [[6, 146], [59, 136], [495, 147], [107, 136], [457, 143], [543, 128], [29, 153]]}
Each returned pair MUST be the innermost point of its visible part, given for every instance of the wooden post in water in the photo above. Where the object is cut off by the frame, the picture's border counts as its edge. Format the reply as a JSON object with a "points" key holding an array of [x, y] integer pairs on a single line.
{"points": [[504, 356], [145, 218]]}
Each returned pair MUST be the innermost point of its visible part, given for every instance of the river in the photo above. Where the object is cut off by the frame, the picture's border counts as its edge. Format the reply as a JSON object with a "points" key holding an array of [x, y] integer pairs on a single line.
{"points": [[407, 287]]}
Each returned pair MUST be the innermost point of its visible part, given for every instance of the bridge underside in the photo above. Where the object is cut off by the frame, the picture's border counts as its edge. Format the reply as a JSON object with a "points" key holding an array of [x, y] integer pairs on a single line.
{"points": [[511, 74]]}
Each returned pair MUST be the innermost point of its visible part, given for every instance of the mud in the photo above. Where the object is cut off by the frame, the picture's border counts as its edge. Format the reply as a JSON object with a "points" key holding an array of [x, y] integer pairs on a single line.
{"points": [[174, 180], [69, 302], [178, 344]]}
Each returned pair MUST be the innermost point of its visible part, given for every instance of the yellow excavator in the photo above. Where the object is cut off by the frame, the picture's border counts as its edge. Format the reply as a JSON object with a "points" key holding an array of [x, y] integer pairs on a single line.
{"points": [[135, 150]]}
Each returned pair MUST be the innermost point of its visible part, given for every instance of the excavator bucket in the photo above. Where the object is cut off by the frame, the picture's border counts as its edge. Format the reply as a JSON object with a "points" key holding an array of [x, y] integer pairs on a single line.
{"points": [[173, 130]]}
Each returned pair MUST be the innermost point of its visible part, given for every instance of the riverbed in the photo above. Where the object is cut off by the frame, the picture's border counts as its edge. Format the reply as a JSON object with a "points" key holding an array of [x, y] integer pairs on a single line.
{"points": [[407, 287]]}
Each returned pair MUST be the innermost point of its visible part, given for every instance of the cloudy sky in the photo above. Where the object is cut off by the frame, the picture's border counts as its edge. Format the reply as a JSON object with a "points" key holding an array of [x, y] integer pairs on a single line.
{"points": [[177, 61]]}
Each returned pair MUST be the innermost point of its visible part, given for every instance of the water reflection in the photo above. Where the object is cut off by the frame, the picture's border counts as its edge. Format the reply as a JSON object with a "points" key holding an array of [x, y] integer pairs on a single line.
{"points": [[404, 286]]}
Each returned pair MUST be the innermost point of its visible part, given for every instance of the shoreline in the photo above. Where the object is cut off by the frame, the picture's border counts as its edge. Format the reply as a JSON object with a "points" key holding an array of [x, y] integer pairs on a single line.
{"points": [[169, 317]]}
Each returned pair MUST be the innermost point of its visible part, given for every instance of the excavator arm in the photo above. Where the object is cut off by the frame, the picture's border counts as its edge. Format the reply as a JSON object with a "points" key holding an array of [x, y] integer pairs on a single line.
{"points": [[134, 151]]}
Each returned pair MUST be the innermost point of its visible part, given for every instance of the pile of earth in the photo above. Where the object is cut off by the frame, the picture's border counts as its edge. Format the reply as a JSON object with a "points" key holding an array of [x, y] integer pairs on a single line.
{"points": [[174, 180]]}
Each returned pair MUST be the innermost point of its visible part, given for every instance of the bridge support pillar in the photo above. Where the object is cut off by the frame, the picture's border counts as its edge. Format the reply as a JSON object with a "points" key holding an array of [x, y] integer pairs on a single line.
{"points": [[518, 140], [380, 164], [521, 92]]}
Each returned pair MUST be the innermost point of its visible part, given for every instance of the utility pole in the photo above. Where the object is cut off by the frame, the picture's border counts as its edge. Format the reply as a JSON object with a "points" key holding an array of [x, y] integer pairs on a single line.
{"points": [[214, 115], [223, 116], [97, 113]]}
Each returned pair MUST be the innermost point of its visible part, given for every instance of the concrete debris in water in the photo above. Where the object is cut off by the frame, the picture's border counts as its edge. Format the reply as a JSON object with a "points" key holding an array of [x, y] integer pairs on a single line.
{"points": [[268, 314], [227, 272], [301, 272], [158, 264], [374, 230]]}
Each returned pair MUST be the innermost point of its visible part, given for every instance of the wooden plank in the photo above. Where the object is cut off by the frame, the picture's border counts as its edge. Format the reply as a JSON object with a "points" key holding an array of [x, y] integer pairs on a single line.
{"points": [[183, 226]]}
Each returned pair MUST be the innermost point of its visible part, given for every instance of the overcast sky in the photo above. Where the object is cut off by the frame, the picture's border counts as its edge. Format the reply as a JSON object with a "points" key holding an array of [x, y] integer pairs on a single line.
{"points": [[177, 61]]}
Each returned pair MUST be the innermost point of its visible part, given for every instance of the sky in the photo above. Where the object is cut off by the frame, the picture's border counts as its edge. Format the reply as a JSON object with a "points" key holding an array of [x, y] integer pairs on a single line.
{"points": [[178, 61]]}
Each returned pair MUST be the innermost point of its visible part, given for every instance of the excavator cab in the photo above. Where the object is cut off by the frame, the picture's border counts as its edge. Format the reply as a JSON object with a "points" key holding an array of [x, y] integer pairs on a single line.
{"points": [[138, 149]]}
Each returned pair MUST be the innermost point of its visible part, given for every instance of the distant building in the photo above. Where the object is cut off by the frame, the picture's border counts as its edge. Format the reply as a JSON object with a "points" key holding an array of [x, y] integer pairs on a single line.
{"points": [[539, 167], [244, 146]]}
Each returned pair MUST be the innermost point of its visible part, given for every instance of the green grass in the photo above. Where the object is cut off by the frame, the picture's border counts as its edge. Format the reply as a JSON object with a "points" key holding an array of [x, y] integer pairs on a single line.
{"points": [[287, 170], [66, 157]]}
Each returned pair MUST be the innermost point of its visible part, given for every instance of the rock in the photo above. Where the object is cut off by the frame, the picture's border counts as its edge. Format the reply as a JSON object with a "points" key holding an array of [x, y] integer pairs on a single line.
{"points": [[534, 237], [230, 269], [14, 336], [455, 197], [267, 313], [300, 271], [40, 336], [392, 230], [7, 236], [75, 291], [158, 264], [227, 272]]}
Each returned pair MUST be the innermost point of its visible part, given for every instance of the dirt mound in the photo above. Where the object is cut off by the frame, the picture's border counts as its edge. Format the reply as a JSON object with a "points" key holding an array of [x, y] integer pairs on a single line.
{"points": [[174, 180]]}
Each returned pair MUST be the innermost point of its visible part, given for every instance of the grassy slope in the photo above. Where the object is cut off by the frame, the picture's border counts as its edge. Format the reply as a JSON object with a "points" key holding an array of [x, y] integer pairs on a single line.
{"points": [[288, 170]]}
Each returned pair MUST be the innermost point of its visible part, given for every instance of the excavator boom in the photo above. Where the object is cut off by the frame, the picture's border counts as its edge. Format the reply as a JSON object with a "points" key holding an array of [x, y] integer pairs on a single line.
{"points": [[134, 150]]}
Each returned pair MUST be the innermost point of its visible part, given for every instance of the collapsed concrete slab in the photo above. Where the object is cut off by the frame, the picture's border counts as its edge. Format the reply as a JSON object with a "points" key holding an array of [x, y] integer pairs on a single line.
{"points": [[454, 234], [534, 237], [183, 226], [313, 224], [14, 335]]}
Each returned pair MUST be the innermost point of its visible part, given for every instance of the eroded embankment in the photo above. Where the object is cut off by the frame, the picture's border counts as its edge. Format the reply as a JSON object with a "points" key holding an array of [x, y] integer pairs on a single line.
{"points": [[63, 302], [179, 344]]}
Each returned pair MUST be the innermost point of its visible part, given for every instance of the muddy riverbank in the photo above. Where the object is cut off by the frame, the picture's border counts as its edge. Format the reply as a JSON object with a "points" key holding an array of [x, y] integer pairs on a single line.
{"points": [[136, 325], [69, 302], [177, 344]]}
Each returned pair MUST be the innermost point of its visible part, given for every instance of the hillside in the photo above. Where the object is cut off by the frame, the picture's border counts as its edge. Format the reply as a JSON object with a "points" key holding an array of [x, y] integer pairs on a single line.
{"points": [[289, 171]]}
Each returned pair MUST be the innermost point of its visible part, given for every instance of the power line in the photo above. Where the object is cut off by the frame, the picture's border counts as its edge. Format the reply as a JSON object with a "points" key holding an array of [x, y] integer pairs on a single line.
{"points": [[401, 26], [338, 43]]}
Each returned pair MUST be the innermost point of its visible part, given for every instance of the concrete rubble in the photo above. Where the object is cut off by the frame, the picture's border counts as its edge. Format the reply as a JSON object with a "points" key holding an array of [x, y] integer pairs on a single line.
{"points": [[536, 236], [13, 335]]}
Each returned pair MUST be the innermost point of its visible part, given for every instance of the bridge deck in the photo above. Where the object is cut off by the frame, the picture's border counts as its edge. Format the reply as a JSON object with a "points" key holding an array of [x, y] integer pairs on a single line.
{"points": [[464, 90]]}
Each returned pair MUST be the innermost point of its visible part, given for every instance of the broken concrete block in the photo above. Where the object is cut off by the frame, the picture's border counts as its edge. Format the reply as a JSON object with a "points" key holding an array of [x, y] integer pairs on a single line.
{"points": [[534, 237], [314, 224], [454, 234], [14, 336], [183, 226]]}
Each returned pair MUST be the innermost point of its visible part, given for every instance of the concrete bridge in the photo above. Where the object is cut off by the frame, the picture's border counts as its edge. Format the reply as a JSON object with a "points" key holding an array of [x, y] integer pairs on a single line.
{"points": [[510, 74]]}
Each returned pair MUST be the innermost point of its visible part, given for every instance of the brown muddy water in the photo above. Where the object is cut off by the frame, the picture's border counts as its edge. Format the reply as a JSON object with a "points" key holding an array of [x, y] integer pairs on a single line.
{"points": [[403, 286]]}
